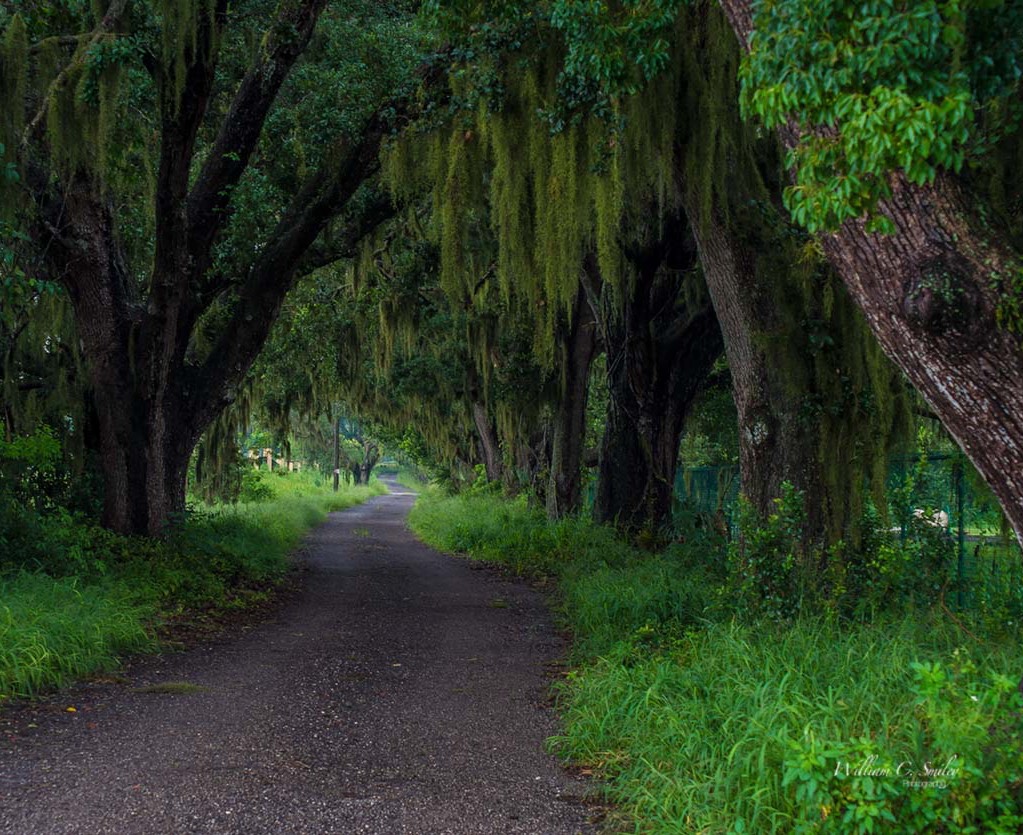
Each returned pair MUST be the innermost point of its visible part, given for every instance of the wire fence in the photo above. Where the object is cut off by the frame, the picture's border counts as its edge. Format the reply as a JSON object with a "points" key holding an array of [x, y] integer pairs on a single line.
{"points": [[926, 494]]}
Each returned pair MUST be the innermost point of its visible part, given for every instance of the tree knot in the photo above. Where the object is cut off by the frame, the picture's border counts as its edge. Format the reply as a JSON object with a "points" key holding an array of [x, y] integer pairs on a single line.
{"points": [[941, 297]]}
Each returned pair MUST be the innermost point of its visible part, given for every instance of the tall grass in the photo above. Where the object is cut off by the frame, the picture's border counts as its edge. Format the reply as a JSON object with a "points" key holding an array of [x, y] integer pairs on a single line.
{"points": [[101, 595], [54, 630], [700, 720]]}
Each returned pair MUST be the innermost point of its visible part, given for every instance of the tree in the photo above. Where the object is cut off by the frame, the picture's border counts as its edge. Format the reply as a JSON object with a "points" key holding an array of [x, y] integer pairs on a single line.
{"points": [[661, 339], [930, 251], [818, 404], [577, 345], [171, 320], [639, 119]]}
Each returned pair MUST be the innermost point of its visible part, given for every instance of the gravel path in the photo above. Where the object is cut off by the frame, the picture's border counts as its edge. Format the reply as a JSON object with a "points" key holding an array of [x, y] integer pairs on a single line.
{"points": [[399, 691]]}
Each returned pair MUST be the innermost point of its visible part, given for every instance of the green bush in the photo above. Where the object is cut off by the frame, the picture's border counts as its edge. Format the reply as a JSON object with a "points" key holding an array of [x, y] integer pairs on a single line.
{"points": [[254, 487], [768, 565], [960, 769]]}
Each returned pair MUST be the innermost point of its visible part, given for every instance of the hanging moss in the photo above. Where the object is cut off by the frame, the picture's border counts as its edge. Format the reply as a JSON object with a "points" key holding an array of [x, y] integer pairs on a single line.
{"points": [[182, 21], [548, 198], [13, 82], [218, 456], [823, 355], [81, 101], [40, 345]]}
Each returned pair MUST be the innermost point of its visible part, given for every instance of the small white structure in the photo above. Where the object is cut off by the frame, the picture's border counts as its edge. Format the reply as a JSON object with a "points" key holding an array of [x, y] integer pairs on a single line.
{"points": [[937, 519]]}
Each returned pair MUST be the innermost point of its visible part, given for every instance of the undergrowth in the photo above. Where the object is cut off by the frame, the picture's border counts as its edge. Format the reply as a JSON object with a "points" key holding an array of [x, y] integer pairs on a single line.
{"points": [[75, 597], [706, 716]]}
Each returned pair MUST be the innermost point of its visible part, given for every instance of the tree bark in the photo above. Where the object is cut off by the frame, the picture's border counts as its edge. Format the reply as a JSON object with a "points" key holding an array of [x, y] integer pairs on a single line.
{"points": [[775, 446], [490, 447], [144, 443], [928, 295], [577, 349], [370, 457]]}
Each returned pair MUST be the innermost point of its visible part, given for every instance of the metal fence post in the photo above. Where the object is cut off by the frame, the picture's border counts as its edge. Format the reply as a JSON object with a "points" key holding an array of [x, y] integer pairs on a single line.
{"points": [[957, 470]]}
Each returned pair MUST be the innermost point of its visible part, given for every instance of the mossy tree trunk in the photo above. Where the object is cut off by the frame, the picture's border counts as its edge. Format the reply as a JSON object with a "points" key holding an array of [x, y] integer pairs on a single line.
{"points": [[660, 350], [775, 444], [489, 445], [818, 404], [576, 349], [370, 457], [931, 292]]}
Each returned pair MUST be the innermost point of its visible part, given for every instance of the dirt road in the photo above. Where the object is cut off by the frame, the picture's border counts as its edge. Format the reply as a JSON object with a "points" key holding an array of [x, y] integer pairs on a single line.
{"points": [[398, 691]]}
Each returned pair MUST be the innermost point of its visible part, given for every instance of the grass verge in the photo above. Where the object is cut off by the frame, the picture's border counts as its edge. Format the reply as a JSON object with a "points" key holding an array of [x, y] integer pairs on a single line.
{"points": [[702, 721], [85, 597]]}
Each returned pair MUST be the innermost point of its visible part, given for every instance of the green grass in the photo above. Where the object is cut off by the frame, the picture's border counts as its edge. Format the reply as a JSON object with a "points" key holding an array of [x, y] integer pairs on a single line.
{"points": [[700, 721], [54, 630], [700, 734], [87, 597]]}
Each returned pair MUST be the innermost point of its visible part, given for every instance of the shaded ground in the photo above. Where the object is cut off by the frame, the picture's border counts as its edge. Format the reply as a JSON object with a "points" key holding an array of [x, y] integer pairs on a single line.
{"points": [[399, 690]]}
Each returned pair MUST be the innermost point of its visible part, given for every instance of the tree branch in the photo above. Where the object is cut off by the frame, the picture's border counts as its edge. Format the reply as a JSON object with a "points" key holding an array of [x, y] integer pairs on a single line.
{"points": [[209, 200], [182, 114], [378, 209], [325, 195]]}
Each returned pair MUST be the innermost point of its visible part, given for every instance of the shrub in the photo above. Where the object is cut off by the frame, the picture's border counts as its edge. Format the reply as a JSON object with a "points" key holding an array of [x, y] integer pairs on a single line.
{"points": [[960, 770]]}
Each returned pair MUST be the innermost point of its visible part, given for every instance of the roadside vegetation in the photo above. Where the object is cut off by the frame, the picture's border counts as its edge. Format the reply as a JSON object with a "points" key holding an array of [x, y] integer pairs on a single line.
{"points": [[75, 597], [706, 706], [728, 294]]}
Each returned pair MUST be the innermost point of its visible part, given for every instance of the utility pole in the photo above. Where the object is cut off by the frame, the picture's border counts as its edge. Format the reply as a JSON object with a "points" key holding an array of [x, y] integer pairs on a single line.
{"points": [[337, 453]]}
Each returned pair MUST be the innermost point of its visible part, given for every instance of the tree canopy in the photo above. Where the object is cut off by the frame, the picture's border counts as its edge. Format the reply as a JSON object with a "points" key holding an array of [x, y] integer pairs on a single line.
{"points": [[454, 219]]}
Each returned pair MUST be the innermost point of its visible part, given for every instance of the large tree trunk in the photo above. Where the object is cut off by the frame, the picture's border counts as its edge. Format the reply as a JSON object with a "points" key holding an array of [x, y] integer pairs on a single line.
{"points": [[145, 436], [370, 457], [659, 352], [928, 294], [775, 446], [577, 349], [646, 411], [144, 461]]}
